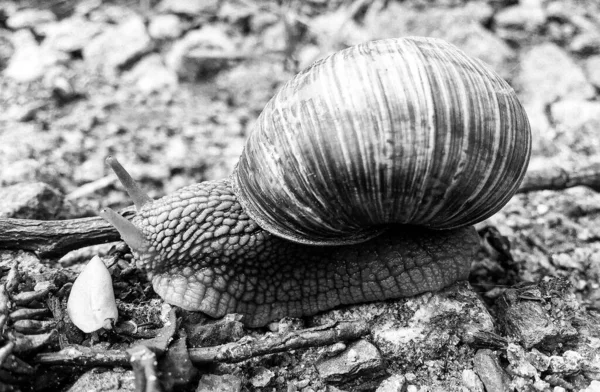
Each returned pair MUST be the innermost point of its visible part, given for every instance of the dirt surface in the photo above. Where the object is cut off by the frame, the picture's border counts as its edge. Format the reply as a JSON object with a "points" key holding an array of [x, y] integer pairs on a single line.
{"points": [[173, 88]]}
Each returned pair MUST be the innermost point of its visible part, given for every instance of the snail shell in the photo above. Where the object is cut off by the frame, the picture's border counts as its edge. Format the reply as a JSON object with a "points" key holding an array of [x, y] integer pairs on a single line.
{"points": [[409, 131]]}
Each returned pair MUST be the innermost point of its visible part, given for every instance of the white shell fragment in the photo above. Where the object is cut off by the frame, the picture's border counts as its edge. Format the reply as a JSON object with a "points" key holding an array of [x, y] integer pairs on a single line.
{"points": [[91, 304]]}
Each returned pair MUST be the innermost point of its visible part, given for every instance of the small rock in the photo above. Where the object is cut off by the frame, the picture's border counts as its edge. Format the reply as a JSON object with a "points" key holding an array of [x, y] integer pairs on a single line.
{"points": [[439, 320], [190, 7], [586, 43], [489, 371], [518, 364], [593, 387], [105, 380], [360, 359], [219, 383], [573, 114], [398, 19], [548, 74], [150, 75], [164, 27], [197, 53], [30, 201], [479, 42], [117, 47], [24, 170], [71, 34], [394, 383], [592, 69], [532, 322], [539, 360], [30, 18], [568, 363], [214, 332], [472, 381], [29, 61], [262, 378], [520, 22]]}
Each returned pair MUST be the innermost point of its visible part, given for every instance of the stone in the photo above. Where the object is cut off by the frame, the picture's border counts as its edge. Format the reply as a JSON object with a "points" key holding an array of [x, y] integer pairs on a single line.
{"points": [[518, 363], [593, 387], [30, 18], [568, 363], [471, 381], [30, 61], [117, 47], [545, 323], [548, 73], [572, 114], [520, 22], [219, 383], [262, 377], [592, 70], [71, 34], [30, 201], [214, 332], [150, 75], [197, 53], [394, 383], [539, 360], [586, 43], [105, 380], [189, 7], [165, 27], [489, 371], [360, 359], [398, 19], [478, 42], [432, 322]]}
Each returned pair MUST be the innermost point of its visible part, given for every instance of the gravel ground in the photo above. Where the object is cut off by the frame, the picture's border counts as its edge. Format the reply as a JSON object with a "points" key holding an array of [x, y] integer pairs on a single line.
{"points": [[173, 88]]}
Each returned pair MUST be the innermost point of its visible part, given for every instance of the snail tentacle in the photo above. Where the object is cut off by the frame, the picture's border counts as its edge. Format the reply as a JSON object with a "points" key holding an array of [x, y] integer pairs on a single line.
{"points": [[137, 195], [129, 232]]}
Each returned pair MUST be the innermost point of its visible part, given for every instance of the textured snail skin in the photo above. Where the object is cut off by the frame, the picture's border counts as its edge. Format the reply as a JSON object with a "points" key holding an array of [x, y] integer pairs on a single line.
{"points": [[382, 143], [204, 253]]}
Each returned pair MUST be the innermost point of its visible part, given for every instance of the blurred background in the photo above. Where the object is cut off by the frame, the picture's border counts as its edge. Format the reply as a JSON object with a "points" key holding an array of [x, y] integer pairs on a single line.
{"points": [[173, 87]]}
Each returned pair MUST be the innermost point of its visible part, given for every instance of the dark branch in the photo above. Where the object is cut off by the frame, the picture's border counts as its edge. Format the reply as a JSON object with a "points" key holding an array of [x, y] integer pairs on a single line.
{"points": [[557, 178], [54, 238]]}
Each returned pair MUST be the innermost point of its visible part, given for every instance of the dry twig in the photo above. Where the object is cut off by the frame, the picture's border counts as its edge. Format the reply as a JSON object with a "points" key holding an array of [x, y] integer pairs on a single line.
{"points": [[230, 352], [557, 178]]}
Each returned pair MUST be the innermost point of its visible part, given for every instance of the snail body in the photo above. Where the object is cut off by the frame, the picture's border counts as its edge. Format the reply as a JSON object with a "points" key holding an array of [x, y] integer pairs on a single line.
{"points": [[384, 154]]}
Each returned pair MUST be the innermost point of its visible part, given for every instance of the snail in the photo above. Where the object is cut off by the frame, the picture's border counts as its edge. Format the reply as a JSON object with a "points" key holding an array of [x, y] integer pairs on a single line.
{"points": [[360, 181]]}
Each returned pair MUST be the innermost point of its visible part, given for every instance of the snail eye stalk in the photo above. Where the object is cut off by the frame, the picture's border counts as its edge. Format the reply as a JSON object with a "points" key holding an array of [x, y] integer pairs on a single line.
{"points": [[139, 197], [129, 232]]}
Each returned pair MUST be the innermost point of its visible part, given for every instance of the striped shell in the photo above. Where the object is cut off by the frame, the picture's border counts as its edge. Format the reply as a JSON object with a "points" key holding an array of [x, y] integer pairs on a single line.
{"points": [[409, 131]]}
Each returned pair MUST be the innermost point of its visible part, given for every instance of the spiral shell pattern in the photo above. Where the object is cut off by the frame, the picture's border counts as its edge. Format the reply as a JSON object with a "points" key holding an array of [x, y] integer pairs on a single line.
{"points": [[397, 131]]}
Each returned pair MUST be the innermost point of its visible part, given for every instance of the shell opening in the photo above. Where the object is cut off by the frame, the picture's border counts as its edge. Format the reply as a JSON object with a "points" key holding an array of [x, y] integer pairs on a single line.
{"points": [[139, 197]]}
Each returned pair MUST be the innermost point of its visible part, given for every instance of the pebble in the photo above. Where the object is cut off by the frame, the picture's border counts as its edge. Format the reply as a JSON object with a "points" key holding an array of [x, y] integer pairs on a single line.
{"points": [[117, 47], [472, 381], [262, 378], [568, 363], [30, 201], [219, 383], [183, 58], [189, 7], [489, 371], [572, 114], [165, 27], [394, 383], [71, 34], [30, 18], [548, 74], [360, 359], [520, 22], [150, 75]]}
